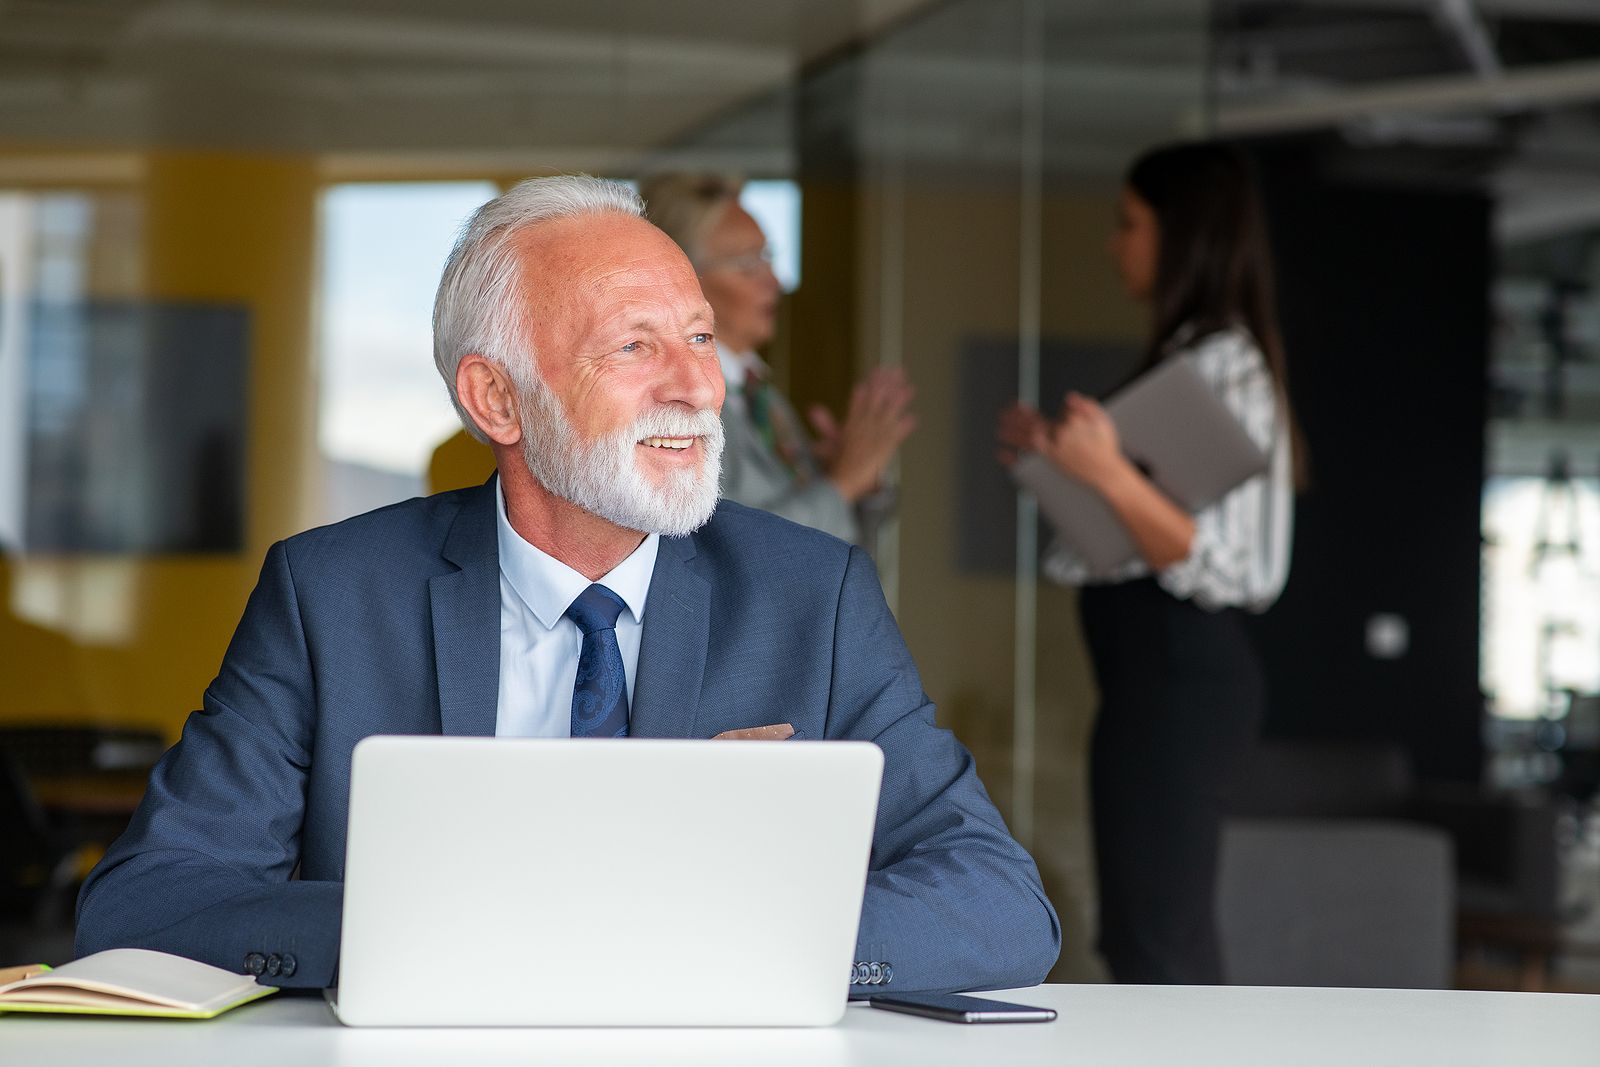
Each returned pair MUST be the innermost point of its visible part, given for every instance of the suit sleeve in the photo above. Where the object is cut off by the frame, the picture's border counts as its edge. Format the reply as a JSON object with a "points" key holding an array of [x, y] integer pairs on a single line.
{"points": [[205, 869], [952, 901]]}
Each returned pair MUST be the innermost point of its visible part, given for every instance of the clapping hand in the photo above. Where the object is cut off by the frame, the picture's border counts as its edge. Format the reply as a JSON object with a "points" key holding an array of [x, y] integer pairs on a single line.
{"points": [[856, 452]]}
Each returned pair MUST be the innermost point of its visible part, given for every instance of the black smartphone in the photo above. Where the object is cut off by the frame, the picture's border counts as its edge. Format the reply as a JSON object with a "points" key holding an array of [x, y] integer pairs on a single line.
{"points": [[954, 1008]]}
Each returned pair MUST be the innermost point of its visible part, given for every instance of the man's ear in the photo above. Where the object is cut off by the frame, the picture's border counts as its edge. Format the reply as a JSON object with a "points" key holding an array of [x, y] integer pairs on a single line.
{"points": [[485, 391]]}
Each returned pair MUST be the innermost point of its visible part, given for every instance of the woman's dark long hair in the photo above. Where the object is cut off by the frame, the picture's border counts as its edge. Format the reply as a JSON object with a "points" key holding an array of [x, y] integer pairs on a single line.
{"points": [[1213, 267], [1213, 264]]}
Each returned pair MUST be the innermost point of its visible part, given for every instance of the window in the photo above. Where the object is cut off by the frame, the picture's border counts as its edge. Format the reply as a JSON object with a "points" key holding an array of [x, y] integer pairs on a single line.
{"points": [[382, 408]]}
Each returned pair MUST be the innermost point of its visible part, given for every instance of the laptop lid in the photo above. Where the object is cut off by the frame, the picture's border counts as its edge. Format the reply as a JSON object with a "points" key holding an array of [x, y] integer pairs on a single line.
{"points": [[1186, 439], [513, 882]]}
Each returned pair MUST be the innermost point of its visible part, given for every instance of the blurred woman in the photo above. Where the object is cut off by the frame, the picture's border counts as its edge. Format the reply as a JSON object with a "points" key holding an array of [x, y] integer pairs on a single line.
{"points": [[834, 482], [1181, 689]]}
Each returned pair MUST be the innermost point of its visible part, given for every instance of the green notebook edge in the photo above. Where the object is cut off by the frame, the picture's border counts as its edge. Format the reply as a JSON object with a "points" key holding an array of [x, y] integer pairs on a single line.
{"points": [[152, 1012]]}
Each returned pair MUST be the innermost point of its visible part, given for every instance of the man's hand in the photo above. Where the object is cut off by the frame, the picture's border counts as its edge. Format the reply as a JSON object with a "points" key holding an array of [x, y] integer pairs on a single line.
{"points": [[856, 453]]}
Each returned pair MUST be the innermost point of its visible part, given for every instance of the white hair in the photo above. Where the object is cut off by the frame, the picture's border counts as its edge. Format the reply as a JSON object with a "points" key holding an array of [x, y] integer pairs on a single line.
{"points": [[687, 207], [481, 302]]}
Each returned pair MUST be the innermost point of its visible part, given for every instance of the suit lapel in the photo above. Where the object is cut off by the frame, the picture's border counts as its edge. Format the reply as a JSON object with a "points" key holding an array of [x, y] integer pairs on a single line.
{"points": [[672, 653], [466, 620]]}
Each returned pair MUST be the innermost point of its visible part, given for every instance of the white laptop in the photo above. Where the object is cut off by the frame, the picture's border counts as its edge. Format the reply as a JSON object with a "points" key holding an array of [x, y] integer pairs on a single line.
{"points": [[509, 882]]}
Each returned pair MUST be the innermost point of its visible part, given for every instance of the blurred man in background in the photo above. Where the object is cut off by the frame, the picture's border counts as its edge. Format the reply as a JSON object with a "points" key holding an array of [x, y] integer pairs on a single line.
{"points": [[833, 483]]}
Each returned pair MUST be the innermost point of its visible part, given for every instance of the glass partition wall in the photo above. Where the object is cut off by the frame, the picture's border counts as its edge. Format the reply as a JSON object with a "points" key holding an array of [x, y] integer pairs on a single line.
{"points": [[988, 147], [959, 174]]}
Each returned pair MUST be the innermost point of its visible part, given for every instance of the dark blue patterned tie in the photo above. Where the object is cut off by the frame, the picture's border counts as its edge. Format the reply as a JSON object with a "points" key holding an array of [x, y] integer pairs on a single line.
{"points": [[600, 695]]}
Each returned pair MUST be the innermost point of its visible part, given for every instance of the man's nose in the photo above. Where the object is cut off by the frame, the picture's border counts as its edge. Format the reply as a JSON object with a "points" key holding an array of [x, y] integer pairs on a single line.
{"points": [[693, 378], [769, 279]]}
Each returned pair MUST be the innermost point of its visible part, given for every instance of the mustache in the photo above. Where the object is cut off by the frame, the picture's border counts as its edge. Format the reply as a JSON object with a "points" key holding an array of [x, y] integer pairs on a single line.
{"points": [[676, 422]]}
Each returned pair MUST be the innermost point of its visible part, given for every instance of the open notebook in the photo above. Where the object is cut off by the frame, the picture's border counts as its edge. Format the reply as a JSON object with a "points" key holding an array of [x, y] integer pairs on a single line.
{"points": [[133, 981]]}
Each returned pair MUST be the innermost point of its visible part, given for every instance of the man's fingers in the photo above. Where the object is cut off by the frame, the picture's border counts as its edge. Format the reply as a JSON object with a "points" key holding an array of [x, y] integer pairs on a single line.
{"points": [[884, 396], [885, 392], [823, 422], [888, 377]]}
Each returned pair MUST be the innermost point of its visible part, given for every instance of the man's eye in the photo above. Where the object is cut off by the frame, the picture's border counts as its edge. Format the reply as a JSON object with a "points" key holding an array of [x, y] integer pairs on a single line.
{"points": [[700, 339], [631, 346]]}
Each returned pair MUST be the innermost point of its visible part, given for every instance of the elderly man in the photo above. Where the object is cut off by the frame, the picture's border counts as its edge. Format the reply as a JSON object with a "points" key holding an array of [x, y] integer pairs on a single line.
{"points": [[575, 340], [834, 484]]}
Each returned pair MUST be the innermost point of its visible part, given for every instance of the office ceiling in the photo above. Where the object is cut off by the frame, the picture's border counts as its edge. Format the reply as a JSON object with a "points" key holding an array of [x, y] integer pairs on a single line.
{"points": [[1504, 92], [579, 78], [1497, 94]]}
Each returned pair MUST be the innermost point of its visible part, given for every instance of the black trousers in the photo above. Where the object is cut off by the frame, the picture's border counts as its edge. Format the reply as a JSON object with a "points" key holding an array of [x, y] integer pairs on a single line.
{"points": [[1181, 700]]}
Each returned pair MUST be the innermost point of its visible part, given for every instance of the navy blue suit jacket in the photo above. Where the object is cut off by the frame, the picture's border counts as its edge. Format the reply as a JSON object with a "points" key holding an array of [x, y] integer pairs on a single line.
{"points": [[390, 623]]}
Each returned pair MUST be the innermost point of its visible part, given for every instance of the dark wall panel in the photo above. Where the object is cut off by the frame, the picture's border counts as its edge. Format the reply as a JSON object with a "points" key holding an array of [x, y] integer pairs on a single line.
{"points": [[1384, 298]]}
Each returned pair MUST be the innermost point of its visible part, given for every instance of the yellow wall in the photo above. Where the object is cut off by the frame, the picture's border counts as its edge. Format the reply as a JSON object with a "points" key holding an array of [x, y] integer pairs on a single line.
{"points": [[148, 632]]}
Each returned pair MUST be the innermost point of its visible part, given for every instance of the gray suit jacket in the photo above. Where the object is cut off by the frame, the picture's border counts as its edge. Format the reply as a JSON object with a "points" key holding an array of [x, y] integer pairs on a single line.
{"points": [[389, 623], [754, 475]]}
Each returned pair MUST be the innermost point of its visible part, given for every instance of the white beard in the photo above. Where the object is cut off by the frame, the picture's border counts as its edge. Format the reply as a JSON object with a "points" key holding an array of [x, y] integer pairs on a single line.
{"points": [[602, 475]]}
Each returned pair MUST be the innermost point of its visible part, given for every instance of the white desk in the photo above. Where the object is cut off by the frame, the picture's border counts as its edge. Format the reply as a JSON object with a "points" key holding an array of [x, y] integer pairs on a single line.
{"points": [[1100, 1025]]}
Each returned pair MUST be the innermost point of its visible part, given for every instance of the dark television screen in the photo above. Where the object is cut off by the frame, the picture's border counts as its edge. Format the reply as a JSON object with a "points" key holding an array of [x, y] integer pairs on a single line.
{"points": [[136, 435]]}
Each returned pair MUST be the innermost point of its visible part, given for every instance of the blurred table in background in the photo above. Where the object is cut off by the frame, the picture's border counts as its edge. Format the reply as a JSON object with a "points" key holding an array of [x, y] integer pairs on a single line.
{"points": [[66, 791]]}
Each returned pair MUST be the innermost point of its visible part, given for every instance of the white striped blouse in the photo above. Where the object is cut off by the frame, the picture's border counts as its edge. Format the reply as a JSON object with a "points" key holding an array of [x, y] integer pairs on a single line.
{"points": [[1240, 553]]}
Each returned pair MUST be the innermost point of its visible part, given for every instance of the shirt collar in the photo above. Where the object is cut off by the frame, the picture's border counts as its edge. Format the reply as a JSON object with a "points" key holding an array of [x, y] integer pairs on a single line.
{"points": [[548, 586], [737, 365]]}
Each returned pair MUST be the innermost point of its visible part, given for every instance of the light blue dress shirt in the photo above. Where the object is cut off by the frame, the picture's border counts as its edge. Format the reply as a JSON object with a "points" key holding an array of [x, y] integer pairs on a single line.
{"points": [[539, 645]]}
